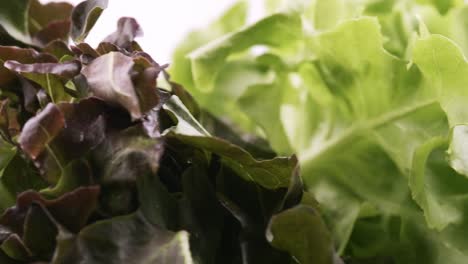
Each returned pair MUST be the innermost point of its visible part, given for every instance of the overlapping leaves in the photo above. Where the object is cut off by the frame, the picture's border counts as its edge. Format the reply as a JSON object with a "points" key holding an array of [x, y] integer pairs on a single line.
{"points": [[371, 95], [99, 165]]}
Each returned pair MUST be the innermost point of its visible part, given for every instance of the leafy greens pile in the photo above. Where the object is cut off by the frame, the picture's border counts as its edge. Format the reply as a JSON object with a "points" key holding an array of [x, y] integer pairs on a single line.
{"points": [[372, 95], [98, 165]]}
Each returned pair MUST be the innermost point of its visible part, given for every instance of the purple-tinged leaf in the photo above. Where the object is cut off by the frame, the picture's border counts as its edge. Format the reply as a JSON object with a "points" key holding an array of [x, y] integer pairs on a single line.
{"points": [[86, 49], [9, 126], [84, 127], [128, 154], [48, 137], [127, 30], [24, 55], [23, 19], [48, 22], [145, 84], [30, 92], [15, 248], [40, 15], [66, 70], [83, 200], [129, 239], [21, 55], [48, 75], [109, 78], [115, 168], [77, 173], [40, 130], [57, 30], [106, 47]]}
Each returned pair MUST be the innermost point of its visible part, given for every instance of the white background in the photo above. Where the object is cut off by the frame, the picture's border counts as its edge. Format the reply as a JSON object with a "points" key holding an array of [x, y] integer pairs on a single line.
{"points": [[164, 22]]}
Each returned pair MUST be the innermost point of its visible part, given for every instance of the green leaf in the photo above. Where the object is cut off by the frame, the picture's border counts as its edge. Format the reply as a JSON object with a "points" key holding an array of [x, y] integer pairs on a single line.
{"points": [[31, 224], [230, 20], [302, 232], [273, 96], [443, 6], [329, 14], [203, 213], [58, 49], [450, 25], [84, 16], [270, 174], [207, 60], [130, 238], [156, 203], [14, 19], [33, 23], [457, 150], [7, 153], [105, 167], [48, 75], [375, 111]]}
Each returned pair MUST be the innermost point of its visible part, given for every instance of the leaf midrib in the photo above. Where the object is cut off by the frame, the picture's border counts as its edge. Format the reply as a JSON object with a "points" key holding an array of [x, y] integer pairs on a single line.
{"points": [[315, 156]]}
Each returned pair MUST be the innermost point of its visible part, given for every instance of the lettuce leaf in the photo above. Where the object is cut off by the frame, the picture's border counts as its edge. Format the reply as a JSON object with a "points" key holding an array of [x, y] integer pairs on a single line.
{"points": [[99, 164], [371, 96]]}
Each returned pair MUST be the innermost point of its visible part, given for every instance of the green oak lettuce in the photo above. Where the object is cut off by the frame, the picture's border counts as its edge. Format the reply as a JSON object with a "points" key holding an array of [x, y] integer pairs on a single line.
{"points": [[372, 96], [100, 165]]}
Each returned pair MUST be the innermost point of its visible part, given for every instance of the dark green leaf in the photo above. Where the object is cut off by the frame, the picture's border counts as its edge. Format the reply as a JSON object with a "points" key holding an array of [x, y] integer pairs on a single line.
{"points": [[39, 232], [302, 232], [58, 49], [14, 19], [83, 200], [201, 213], [127, 239]]}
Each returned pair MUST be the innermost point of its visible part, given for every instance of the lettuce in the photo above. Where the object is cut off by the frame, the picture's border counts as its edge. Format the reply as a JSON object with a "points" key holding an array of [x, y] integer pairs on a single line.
{"points": [[99, 164], [371, 95]]}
